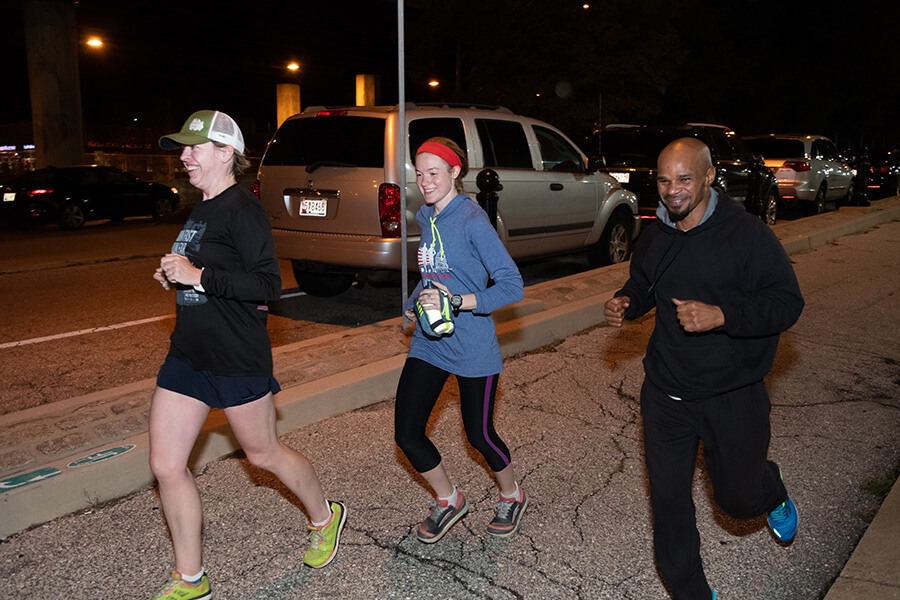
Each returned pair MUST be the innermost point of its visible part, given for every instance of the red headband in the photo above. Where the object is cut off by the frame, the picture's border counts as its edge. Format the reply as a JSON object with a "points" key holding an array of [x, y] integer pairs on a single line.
{"points": [[441, 151]]}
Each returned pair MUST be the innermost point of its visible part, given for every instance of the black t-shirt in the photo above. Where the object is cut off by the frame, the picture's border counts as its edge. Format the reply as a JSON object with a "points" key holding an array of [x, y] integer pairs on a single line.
{"points": [[223, 328]]}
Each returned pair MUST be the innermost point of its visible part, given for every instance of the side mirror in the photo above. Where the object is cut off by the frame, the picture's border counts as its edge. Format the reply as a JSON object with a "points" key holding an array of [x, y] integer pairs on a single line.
{"points": [[595, 163]]}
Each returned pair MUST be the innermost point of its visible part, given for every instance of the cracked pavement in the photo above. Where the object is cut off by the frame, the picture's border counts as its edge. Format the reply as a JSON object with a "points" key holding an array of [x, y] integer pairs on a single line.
{"points": [[569, 414]]}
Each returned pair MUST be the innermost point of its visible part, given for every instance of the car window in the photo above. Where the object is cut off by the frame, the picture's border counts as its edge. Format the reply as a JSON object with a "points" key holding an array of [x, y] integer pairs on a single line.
{"points": [[740, 149], [829, 150], [504, 144], [816, 150], [84, 177], [556, 153], [721, 149], [116, 177], [344, 139], [421, 130]]}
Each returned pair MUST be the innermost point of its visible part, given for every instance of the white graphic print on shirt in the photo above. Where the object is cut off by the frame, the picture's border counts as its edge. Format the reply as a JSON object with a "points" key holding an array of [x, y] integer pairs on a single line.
{"points": [[189, 240], [432, 260]]}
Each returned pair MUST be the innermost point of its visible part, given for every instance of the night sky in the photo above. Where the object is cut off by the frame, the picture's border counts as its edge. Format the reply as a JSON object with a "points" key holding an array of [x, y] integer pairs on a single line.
{"points": [[758, 67]]}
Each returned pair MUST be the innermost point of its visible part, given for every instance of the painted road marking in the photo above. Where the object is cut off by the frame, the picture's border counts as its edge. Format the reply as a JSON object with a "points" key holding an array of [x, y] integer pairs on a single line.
{"points": [[26, 478], [59, 336], [100, 456]]}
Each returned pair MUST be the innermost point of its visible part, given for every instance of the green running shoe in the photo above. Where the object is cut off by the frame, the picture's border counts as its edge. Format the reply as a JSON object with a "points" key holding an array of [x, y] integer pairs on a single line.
{"points": [[179, 589], [324, 540]]}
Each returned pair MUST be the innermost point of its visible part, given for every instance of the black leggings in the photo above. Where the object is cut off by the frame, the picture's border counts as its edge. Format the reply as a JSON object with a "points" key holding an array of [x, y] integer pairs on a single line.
{"points": [[419, 388]]}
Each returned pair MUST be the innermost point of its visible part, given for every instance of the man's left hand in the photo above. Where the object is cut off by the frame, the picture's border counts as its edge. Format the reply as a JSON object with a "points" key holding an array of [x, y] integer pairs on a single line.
{"points": [[696, 316]]}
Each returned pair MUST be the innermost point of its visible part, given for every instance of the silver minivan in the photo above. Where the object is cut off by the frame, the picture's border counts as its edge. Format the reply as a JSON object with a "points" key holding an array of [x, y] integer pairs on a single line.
{"points": [[329, 182]]}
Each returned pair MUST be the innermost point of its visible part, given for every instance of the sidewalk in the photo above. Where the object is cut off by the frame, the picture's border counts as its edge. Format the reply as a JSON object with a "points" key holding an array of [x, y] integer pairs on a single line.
{"points": [[85, 451]]}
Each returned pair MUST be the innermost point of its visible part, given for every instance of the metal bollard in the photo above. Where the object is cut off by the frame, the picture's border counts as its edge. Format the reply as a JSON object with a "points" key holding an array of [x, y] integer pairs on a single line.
{"points": [[488, 183]]}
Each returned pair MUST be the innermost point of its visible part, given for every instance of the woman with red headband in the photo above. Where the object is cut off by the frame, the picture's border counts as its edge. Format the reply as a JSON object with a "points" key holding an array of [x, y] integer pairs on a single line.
{"points": [[459, 253]]}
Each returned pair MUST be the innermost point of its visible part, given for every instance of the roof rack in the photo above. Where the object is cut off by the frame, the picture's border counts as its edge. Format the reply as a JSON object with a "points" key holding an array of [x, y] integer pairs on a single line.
{"points": [[461, 105]]}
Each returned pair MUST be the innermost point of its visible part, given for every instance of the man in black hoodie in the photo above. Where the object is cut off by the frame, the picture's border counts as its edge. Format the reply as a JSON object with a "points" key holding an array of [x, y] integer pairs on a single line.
{"points": [[724, 290]]}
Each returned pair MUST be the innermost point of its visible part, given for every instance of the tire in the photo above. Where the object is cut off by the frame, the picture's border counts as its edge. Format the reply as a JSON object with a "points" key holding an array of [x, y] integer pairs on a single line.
{"points": [[615, 244], [72, 216], [818, 204], [769, 212], [849, 199], [319, 283], [164, 207]]}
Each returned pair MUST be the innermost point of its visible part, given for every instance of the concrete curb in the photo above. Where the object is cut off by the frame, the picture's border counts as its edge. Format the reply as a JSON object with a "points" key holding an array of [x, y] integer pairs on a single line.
{"points": [[535, 322]]}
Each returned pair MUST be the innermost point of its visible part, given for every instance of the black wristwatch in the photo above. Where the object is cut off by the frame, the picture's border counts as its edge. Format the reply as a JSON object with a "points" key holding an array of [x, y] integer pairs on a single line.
{"points": [[455, 303]]}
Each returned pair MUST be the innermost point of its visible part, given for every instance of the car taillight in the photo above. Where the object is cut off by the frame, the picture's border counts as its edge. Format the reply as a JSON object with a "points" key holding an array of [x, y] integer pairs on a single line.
{"points": [[39, 192], [883, 169], [797, 165], [254, 187], [389, 209], [331, 113]]}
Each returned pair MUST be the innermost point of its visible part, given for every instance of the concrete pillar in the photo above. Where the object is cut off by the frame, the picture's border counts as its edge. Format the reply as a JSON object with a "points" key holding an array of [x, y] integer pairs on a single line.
{"points": [[365, 90], [51, 43], [288, 102]]}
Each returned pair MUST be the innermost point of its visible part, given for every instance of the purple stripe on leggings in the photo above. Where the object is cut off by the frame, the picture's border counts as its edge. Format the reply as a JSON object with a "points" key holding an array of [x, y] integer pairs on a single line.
{"points": [[486, 412]]}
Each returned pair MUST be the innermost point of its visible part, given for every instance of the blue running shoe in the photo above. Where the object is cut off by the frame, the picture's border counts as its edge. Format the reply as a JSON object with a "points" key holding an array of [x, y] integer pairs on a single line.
{"points": [[783, 521]]}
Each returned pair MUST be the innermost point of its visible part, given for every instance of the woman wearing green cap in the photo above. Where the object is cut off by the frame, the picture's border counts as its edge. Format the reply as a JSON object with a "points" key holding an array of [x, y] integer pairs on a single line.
{"points": [[224, 270]]}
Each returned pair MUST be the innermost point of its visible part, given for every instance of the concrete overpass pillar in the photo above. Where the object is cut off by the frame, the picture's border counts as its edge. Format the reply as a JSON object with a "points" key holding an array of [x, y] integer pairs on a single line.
{"points": [[288, 101], [51, 43], [365, 90]]}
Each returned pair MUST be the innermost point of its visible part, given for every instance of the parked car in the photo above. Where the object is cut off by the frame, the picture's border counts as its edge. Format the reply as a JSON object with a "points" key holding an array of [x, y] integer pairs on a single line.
{"points": [[629, 153], [329, 180], [809, 169], [73, 195], [877, 171]]}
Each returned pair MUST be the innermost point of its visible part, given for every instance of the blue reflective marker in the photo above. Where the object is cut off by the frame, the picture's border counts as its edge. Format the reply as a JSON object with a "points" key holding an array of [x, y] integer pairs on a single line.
{"points": [[26, 478], [99, 456]]}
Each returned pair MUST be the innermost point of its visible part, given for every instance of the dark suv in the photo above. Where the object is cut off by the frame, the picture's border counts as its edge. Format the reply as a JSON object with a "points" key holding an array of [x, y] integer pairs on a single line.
{"points": [[629, 152]]}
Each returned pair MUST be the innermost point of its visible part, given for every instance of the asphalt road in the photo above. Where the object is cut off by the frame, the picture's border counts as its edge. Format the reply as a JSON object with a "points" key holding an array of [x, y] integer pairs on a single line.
{"points": [[569, 414], [83, 314]]}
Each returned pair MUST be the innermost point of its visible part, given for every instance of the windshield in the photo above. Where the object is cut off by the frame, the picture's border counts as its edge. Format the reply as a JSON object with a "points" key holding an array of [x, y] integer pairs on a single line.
{"points": [[328, 140]]}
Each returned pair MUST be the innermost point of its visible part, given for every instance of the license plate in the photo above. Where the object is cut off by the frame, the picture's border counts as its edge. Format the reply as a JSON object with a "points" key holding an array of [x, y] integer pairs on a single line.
{"points": [[9, 196], [621, 177], [313, 208]]}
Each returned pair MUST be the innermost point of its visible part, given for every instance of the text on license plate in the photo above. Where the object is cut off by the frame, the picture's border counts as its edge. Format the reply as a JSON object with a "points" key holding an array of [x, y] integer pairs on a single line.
{"points": [[9, 196], [621, 177], [313, 208]]}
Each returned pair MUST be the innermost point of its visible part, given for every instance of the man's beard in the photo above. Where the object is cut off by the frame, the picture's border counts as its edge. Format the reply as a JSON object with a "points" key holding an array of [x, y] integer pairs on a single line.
{"points": [[681, 214]]}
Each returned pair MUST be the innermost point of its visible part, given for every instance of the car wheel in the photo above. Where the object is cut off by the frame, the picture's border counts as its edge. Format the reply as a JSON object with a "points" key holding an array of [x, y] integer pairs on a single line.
{"points": [[317, 283], [164, 207], [770, 209], [72, 216], [818, 205], [614, 245], [849, 198]]}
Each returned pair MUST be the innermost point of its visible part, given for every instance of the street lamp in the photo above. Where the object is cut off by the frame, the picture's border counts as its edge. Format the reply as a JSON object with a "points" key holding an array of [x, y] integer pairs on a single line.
{"points": [[94, 42]]}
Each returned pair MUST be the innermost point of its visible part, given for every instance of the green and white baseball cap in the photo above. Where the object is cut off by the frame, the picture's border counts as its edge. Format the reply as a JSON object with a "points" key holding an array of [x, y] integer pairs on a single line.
{"points": [[205, 126]]}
